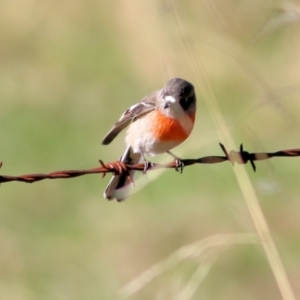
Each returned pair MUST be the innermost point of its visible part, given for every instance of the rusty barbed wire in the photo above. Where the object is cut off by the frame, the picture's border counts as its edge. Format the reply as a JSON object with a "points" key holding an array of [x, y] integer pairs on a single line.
{"points": [[117, 167]]}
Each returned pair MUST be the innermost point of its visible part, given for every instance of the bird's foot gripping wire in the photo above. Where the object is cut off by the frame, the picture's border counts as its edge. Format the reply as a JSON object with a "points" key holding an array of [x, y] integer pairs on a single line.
{"points": [[147, 164], [179, 163]]}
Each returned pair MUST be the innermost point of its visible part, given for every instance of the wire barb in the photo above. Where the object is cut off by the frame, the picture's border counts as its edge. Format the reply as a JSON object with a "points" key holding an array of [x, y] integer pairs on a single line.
{"points": [[120, 168]]}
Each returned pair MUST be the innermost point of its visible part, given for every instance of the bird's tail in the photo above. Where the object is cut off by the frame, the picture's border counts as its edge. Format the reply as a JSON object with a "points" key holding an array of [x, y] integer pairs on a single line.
{"points": [[120, 185]]}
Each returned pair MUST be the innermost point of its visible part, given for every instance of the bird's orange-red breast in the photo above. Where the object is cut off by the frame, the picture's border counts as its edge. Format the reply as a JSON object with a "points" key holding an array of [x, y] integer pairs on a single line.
{"points": [[170, 129]]}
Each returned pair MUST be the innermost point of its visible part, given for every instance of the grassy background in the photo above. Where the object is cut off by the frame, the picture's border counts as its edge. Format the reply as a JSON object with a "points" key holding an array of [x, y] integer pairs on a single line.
{"points": [[68, 70]]}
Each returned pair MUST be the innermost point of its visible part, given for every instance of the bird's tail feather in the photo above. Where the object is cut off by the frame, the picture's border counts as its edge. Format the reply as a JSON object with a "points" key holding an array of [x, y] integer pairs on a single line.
{"points": [[120, 185]]}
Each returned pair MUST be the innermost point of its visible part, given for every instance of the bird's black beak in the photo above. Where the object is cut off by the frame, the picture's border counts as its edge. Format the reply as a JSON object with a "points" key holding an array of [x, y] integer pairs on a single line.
{"points": [[167, 104]]}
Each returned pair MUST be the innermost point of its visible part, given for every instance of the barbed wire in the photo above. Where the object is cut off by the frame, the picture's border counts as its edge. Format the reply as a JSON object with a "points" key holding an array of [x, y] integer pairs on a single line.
{"points": [[117, 167]]}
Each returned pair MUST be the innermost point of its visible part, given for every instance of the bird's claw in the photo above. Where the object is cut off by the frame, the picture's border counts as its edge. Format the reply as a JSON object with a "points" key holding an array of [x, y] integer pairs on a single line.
{"points": [[147, 166], [179, 165]]}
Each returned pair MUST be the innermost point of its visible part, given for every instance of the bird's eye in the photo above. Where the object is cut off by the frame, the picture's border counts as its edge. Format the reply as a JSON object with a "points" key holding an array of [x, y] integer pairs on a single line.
{"points": [[186, 102]]}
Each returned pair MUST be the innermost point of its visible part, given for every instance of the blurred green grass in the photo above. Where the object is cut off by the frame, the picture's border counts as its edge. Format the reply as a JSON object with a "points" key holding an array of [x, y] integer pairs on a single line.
{"points": [[68, 70]]}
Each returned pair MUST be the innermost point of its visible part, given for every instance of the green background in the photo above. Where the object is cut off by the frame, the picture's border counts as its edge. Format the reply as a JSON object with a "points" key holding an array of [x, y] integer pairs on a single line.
{"points": [[68, 71]]}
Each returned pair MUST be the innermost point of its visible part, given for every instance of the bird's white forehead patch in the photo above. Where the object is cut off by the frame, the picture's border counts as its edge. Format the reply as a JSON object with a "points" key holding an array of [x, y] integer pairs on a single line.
{"points": [[170, 99]]}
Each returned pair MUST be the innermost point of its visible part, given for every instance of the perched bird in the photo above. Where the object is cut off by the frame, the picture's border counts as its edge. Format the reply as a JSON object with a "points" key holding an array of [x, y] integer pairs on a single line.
{"points": [[159, 122]]}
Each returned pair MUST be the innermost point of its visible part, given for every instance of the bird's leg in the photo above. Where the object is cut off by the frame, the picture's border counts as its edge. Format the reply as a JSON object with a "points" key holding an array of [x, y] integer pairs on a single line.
{"points": [[179, 164], [147, 163]]}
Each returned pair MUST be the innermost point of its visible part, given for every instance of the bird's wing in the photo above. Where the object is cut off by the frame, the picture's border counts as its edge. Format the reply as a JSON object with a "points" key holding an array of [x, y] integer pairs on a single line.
{"points": [[136, 111]]}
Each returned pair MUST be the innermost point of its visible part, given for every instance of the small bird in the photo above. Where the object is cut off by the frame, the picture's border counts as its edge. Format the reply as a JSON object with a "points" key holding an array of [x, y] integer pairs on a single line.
{"points": [[159, 122]]}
